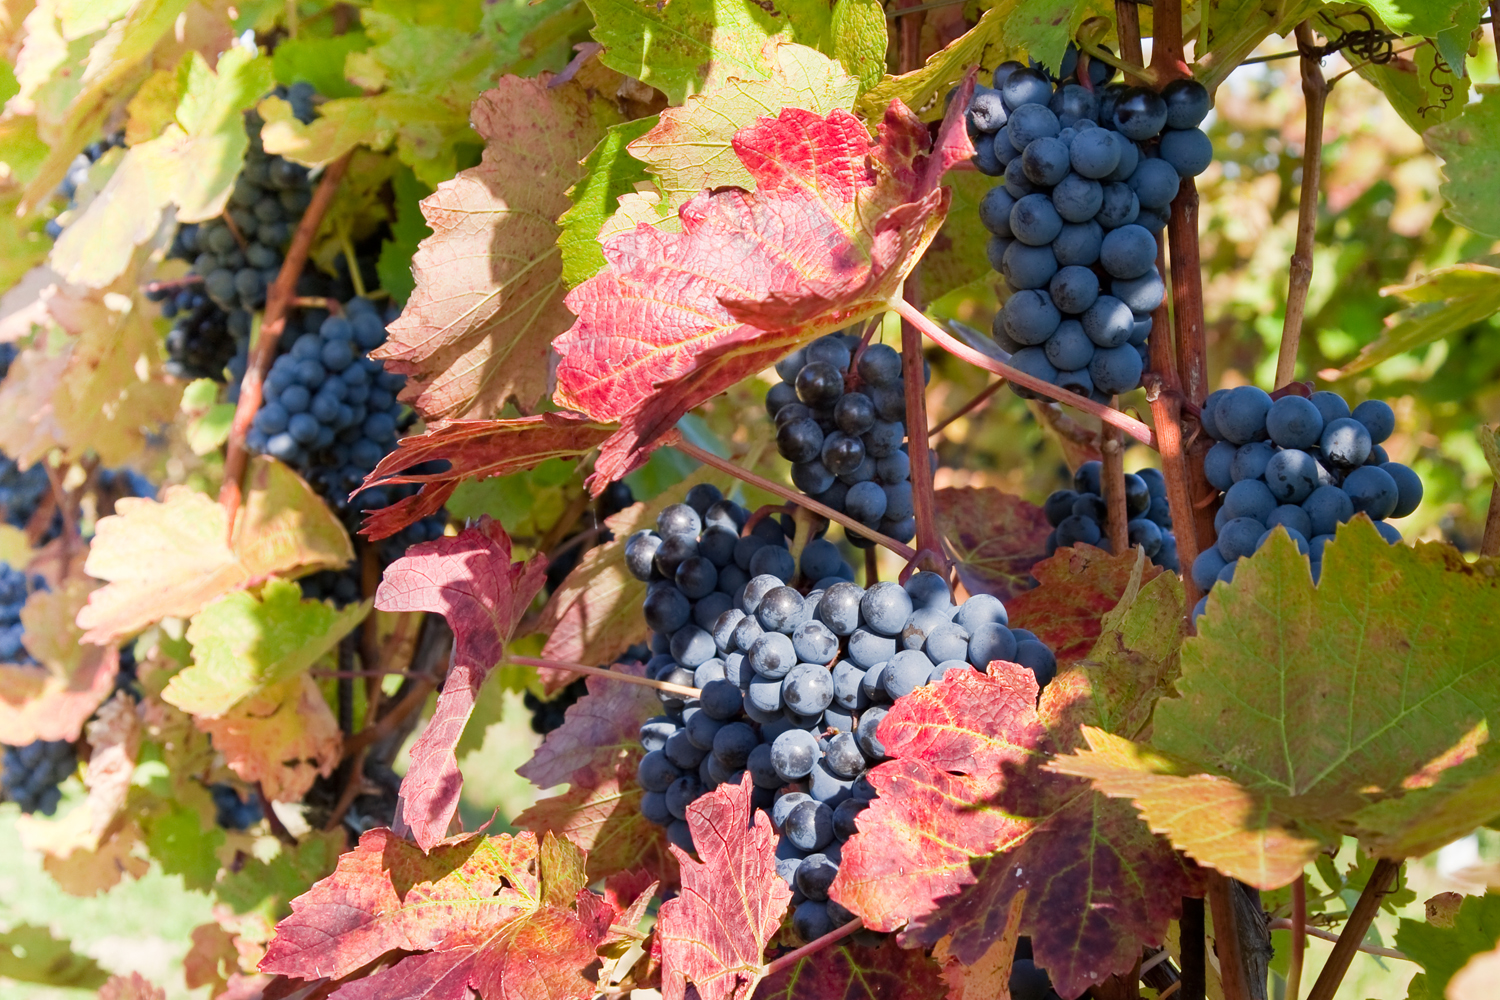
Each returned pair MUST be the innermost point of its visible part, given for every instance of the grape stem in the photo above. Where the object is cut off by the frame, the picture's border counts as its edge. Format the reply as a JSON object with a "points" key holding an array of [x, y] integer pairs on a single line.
{"points": [[283, 290], [676, 440], [956, 347], [817, 944], [614, 675], [1112, 479], [924, 497], [1315, 96], [1354, 930], [968, 408]]}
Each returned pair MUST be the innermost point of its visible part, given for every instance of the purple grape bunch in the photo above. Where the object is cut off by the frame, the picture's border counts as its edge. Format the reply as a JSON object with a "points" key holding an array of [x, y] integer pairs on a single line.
{"points": [[1079, 515]]}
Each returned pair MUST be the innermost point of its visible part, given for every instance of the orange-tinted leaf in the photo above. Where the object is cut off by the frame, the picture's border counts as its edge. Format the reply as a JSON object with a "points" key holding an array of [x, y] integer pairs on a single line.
{"points": [[835, 223], [474, 450], [995, 536], [714, 933], [283, 737], [52, 699], [596, 750], [471, 581], [967, 817], [849, 972], [489, 294], [494, 914], [1078, 586]]}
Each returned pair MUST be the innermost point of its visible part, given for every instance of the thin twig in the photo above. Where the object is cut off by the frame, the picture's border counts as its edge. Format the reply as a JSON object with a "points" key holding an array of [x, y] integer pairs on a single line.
{"points": [[433, 659], [1315, 97], [1354, 930], [187, 281], [958, 348], [817, 944], [351, 791], [979, 400], [872, 568], [234, 230], [283, 290], [1495, 23], [71, 538], [1167, 416], [1187, 293], [614, 675], [724, 465], [1299, 936], [924, 503], [1283, 924]]}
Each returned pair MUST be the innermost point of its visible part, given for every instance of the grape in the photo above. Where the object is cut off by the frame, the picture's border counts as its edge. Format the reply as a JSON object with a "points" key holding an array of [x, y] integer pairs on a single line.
{"points": [[1033, 361], [1072, 103], [1241, 414], [1250, 460], [1036, 657], [1294, 422], [1128, 252], [1118, 206], [880, 365], [1078, 244], [1116, 369], [772, 655], [1187, 103], [819, 383], [1239, 537], [733, 743], [1094, 154], [1025, 86], [1249, 498], [948, 641], [885, 608], [1345, 442], [809, 825], [773, 561], [1108, 322], [1045, 161], [1077, 199], [1378, 417], [986, 111], [1141, 295], [1292, 475], [1035, 221], [1188, 150], [1031, 316], [655, 772], [1331, 405], [1293, 516], [686, 753], [1155, 183], [1372, 491], [1408, 488], [899, 504], [808, 689], [1073, 290]]}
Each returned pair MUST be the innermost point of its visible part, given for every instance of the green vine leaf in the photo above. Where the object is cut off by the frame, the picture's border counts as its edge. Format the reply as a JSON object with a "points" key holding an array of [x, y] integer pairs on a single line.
{"points": [[1449, 300], [1470, 148], [608, 173], [1443, 951]]}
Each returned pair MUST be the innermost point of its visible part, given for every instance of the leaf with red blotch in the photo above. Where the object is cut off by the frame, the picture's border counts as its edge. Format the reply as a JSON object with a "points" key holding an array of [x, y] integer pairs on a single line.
{"points": [[499, 915], [474, 450], [714, 933], [471, 581], [844, 972], [967, 817], [834, 225], [1078, 586], [489, 288], [597, 750], [996, 538]]}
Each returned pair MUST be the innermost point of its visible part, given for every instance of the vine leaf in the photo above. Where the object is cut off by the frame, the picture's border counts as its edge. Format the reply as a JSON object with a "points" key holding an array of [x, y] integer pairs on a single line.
{"points": [[474, 450], [471, 581], [996, 538], [170, 558], [1419, 17], [476, 331], [52, 699], [833, 227], [889, 972], [1356, 707], [243, 643], [1078, 586], [132, 987], [597, 750], [30, 954], [282, 736], [1439, 304], [596, 611], [609, 173], [983, 45], [967, 817], [1471, 162], [1443, 951], [505, 916], [714, 933]]}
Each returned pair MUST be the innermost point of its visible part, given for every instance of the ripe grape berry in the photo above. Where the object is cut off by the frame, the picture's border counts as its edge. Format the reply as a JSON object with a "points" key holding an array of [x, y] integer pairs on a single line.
{"points": [[793, 680], [841, 422], [1305, 465], [1080, 516], [1087, 184]]}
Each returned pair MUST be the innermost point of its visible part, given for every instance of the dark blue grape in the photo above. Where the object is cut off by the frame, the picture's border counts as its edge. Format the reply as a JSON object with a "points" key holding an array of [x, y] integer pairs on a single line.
{"points": [[1187, 103], [1188, 150]]}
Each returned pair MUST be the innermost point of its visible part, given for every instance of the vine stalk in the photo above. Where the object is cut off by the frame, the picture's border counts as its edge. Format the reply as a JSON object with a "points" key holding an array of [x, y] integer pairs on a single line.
{"points": [[283, 290], [924, 498], [1315, 95], [1112, 479], [1299, 937], [1354, 930]]}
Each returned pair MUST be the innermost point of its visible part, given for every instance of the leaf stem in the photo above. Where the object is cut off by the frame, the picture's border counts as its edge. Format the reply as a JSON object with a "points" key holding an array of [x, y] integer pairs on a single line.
{"points": [[1283, 924], [913, 372], [1354, 930], [1315, 97], [958, 348], [817, 944], [676, 440], [614, 675], [968, 408], [283, 290], [1112, 479], [1298, 928]]}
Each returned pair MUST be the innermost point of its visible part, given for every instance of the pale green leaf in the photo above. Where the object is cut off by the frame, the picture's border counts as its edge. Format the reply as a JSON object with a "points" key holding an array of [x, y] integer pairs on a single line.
{"points": [[922, 90], [30, 954], [860, 39], [319, 61], [1442, 951], [1418, 17], [1445, 302], [1422, 86], [609, 172], [957, 255], [1470, 148], [408, 229]]}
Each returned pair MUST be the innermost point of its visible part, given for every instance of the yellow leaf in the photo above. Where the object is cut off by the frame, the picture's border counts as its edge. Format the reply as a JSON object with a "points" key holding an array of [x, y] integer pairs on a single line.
{"points": [[282, 737]]}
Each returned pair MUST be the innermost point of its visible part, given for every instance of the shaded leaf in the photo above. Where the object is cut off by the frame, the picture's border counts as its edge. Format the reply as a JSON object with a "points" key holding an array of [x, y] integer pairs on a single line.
{"points": [[1441, 303], [1356, 707], [476, 331], [474, 450], [989, 977], [471, 581], [834, 225], [846, 972], [408, 229], [995, 537], [714, 932], [967, 817], [1470, 148], [53, 699], [1077, 587], [1443, 951], [30, 954], [956, 257], [243, 643], [282, 736], [608, 172], [495, 914], [170, 557]]}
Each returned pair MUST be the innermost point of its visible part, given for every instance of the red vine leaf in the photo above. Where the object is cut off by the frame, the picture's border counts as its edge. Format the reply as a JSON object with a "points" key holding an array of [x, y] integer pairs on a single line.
{"points": [[834, 225], [477, 329], [847, 972], [967, 817], [596, 750], [1078, 586], [474, 450], [503, 916], [714, 933], [996, 538], [471, 581]]}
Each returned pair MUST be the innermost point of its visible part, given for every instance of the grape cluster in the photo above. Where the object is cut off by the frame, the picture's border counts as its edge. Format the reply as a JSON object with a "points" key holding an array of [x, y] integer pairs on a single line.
{"points": [[15, 588], [238, 256], [1090, 172], [232, 812], [845, 432], [33, 772], [1079, 516], [1307, 464], [793, 680]]}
